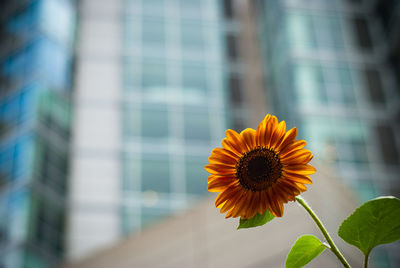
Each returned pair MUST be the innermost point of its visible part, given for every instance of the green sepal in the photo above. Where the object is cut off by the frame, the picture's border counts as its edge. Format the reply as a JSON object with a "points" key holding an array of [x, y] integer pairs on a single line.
{"points": [[257, 220], [305, 249]]}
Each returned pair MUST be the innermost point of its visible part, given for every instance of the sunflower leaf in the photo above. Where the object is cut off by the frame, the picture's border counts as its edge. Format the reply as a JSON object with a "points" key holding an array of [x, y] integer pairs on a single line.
{"points": [[376, 222], [257, 220], [305, 249]]}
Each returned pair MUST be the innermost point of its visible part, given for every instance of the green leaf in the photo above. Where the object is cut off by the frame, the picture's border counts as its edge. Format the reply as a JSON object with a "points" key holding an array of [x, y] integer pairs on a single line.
{"points": [[376, 222], [257, 220], [306, 248]]}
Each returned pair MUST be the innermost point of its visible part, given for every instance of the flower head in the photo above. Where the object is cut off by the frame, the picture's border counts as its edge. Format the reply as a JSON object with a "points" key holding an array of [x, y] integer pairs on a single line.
{"points": [[259, 170]]}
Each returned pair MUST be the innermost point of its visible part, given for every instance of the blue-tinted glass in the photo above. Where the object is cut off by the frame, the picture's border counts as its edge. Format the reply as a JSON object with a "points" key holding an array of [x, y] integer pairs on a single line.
{"points": [[56, 18], [153, 7], [194, 77], [308, 81], [154, 121], [301, 30], [22, 157], [195, 175], [192, 35], [28, 102], [130, 219], [153, 32], [6, 160], [155, 173], [191, 8], [154, 75], [196, 124], [337, 33], [43, 58], [131, 120], [55, 64], [10, 110], [18, 208]]}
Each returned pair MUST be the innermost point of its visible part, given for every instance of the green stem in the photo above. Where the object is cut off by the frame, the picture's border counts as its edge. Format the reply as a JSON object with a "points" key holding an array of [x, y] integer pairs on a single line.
{"points": [[332, 245], [366, 260]]}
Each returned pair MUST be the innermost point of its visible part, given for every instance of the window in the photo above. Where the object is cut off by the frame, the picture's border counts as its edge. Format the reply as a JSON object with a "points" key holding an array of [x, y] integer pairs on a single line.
{"points": [[339, 81], [153, 7], [362, 33], [192, 35], [192, 8], [309, 84], [301, 31], [235, 87], [155, 173], [154, 74], [154, 121], [131, 121], [194, 77], [386, 140], [232, 47], [228, 9], [374, 86], [195, 175], [153, 32], [196, 124]]}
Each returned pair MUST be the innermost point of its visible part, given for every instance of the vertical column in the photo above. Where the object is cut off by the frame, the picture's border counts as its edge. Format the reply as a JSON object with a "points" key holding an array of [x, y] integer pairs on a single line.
{"points": [[94, 183]]}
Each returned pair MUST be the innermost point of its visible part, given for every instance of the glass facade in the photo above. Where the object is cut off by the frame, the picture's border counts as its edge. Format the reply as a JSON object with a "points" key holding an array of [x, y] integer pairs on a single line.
{"points": [[35, 74], [174, 106], [327, 75]]}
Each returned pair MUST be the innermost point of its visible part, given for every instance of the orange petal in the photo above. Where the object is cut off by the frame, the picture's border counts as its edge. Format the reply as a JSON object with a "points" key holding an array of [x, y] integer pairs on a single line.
{"points": [[236, 140], [250, 210], [293, 146], [229, 146], [301, 169], [227, 194], [231, 202], [264, 201], [213, 177], [272, 124], [260, 132], [272, 203], [225, 153], [260, 207], [249, 137], [220, 185], [217, 169], [278, 134], [241, 205], [219, 158], [298, 178], [288, 139], [301, 156]]}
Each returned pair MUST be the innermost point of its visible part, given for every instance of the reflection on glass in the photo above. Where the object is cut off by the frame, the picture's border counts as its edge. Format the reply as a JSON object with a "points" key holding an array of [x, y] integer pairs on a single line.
{"points": [[155, 173], [195, 175], [196, 124], [154, 122]]}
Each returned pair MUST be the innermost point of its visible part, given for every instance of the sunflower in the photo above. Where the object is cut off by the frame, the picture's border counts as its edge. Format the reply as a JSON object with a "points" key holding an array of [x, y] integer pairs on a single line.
{"points": [[259, 170]]}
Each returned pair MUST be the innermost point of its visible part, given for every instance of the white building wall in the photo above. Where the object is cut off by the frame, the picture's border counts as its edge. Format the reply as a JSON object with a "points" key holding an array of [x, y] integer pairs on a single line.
{"points": [[94, 183]]}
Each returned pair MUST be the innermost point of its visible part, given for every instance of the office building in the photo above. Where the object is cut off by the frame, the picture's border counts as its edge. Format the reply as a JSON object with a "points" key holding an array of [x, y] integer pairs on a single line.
{"points": [[149, 105], [330, 69], [327, 73], [35, 74]]}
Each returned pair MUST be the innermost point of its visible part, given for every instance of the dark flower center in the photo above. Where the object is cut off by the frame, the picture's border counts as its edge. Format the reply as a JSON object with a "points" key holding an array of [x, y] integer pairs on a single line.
{"points": [[259, 169]]}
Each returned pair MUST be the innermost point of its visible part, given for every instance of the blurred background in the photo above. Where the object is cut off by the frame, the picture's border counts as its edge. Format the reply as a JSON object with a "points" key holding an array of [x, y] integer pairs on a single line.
{"points": [[109, 109]]}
